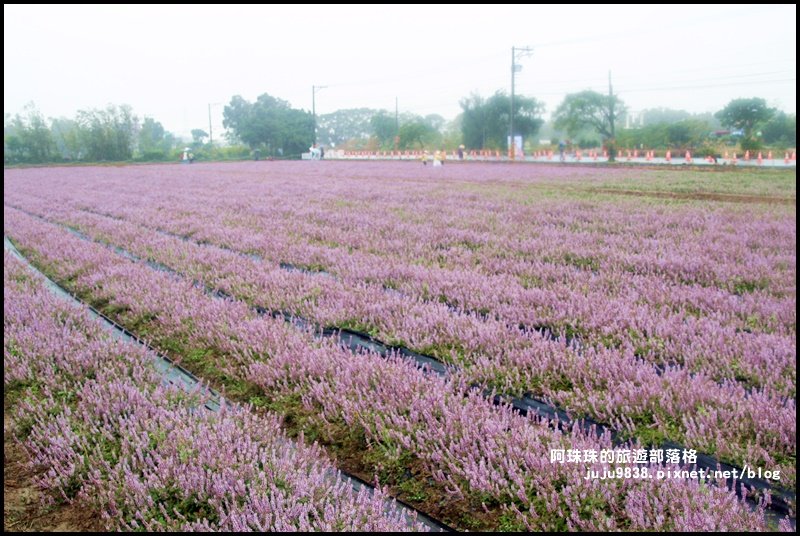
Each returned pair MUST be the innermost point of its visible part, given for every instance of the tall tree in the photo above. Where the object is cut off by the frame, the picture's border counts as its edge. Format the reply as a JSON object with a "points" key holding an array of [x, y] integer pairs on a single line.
{"points": [[384, 127], [336, 128], [417, 134], [475, 127], [781, 130], [746, 114], [154, 142], [198, 134], [689, 133], [485, 122], [30, 139], [452, 135], [108, 134], [435, 121], [590, 109], [66, 135], [269, 124]]}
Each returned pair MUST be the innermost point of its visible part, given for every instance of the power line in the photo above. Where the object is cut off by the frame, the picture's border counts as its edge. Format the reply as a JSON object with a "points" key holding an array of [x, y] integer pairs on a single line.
{"points": [[708, 86], [705, 79]]}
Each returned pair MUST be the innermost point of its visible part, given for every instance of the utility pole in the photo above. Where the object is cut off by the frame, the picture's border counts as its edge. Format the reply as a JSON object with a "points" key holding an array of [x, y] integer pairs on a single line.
{"points": [[396, 125], [515, 68], [210, 133], [314, 90], [511, 111], [613, 141]]}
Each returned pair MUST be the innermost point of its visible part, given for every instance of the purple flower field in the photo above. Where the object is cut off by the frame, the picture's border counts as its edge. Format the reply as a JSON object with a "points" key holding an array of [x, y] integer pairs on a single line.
{"points": [[663, 320], [113, 436]]}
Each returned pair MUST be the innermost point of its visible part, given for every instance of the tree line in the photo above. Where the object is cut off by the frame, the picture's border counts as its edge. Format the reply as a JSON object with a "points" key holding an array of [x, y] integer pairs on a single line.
{"points": [[591, 118], [112, 134], [272, 128]]}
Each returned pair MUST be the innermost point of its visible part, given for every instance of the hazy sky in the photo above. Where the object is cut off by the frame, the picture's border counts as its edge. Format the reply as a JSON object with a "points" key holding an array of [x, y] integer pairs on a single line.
{"points": [[170, 62]]}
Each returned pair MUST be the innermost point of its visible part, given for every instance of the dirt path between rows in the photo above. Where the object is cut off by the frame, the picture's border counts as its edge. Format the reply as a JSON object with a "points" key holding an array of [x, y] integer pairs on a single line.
{"points": [[700, 196]]}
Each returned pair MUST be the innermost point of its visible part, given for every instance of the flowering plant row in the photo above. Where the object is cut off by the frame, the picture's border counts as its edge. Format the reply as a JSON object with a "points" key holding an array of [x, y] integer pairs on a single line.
{"points": [[613, 386], [95, 414], [474, 450]]}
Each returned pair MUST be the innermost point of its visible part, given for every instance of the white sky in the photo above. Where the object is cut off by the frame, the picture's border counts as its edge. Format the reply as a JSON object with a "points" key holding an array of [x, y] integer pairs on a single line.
{"points": [[170, 62]]}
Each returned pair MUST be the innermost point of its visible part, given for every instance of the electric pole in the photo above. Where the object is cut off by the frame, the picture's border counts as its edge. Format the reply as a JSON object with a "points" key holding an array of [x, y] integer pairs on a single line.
{"points": [[210, 133], [612, 149], [314, 90], [516, 52]]}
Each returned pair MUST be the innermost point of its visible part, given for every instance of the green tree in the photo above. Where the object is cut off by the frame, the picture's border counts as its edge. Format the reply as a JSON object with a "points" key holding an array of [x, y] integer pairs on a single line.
{"points": [[590, 109], [12, 147], [746, 115], [435, 121], [336, 128], [781, 130], [237, 117], [66, 136], [384, 127], [269, 124], [154, 142], [416, 135], [452, 135], [197, 136], [29, 138], [108, 134], [485, 122], [689, 133]]}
